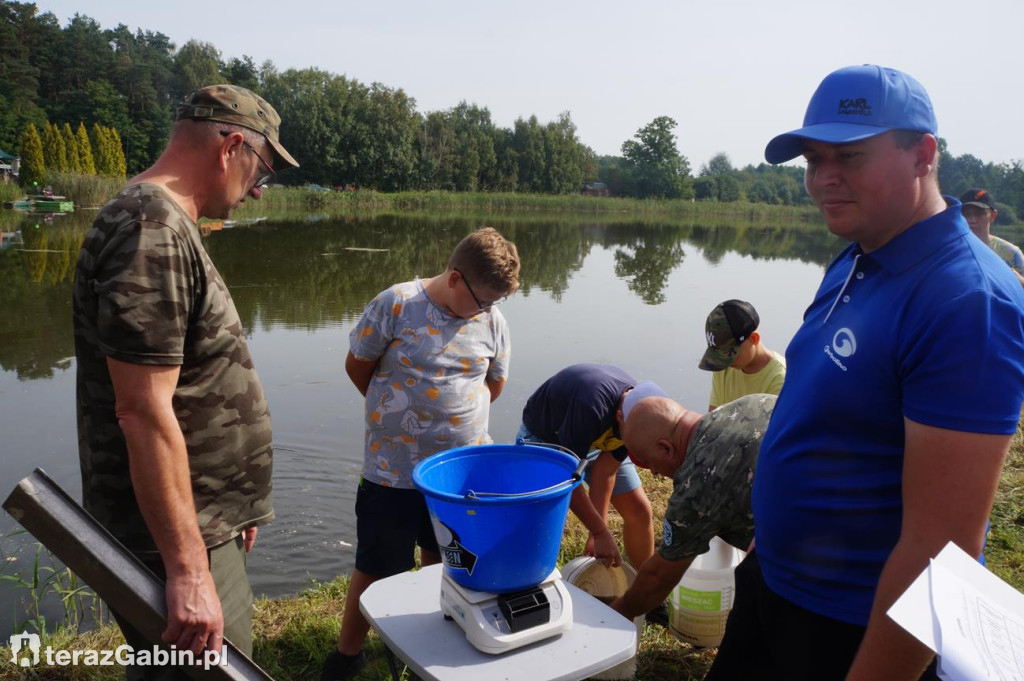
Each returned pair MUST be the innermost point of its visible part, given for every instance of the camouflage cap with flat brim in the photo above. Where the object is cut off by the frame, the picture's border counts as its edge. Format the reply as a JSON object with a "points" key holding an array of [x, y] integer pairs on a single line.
{"points": [[728, 325], [238, 106]]}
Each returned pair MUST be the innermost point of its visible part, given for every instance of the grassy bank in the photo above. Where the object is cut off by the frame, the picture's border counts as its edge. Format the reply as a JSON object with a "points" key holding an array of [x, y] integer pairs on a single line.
{"points": [[437, 202], [87, 191], [293, 634]]}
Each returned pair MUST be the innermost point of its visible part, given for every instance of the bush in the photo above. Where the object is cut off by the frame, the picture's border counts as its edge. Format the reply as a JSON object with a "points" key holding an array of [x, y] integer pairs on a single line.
{"points": [[315, 199], [10, 191], [1007, 215], [87, 191]]}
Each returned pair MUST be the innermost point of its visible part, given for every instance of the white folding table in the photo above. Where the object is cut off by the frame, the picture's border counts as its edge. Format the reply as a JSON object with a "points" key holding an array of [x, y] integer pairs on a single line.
{"points": [[405, 611]]}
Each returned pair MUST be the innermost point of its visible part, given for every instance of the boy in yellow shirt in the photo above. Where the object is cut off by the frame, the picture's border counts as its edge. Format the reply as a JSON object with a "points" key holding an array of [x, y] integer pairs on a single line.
{"points": [[741, 363]]}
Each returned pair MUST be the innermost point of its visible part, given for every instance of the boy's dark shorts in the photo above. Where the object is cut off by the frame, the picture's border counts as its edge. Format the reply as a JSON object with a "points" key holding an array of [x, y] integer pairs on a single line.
{"points": [[390, 522]]}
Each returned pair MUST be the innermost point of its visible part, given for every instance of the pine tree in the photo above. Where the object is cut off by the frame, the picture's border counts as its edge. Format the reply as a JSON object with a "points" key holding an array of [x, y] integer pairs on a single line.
{"points": [[71, 145], [33, 168], [55, 154], [85, 151]]}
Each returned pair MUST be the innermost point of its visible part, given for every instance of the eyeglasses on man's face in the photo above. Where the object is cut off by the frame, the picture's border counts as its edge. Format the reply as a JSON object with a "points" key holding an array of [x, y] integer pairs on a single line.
{"points": [[481, 304], [264, 178]]}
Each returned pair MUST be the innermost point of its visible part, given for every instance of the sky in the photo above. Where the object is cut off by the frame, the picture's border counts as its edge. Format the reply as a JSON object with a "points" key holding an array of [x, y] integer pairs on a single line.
{"points": [[731, 73]]}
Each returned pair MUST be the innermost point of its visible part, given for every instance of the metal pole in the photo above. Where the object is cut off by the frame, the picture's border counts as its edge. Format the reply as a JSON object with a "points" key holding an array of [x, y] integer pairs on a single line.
{"points": [[118, 577]]}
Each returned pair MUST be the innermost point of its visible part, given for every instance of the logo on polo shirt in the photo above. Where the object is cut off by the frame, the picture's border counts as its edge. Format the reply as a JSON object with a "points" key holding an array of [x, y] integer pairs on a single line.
{"points": [[844, 344]]}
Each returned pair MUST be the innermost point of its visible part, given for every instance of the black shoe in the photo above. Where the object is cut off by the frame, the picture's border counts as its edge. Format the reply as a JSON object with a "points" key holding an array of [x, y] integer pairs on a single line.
{"points": [[338, 667], [658, 615]]}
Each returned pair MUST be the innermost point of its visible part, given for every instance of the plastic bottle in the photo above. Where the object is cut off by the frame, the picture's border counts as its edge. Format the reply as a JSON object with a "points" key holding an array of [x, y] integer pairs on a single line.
{"points": [[699, 605]]}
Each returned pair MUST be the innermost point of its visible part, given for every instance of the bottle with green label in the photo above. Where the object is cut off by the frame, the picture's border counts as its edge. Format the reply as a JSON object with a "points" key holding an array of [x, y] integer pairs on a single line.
{"points": [[699, 605]]}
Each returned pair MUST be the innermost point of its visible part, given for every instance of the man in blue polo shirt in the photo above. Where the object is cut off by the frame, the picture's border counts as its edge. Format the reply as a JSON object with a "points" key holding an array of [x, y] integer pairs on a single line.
{"points": [[903, 389]]}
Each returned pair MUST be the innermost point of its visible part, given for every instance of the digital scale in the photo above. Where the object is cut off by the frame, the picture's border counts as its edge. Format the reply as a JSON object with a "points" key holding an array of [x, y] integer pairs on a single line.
{"points": [[498, 623]]}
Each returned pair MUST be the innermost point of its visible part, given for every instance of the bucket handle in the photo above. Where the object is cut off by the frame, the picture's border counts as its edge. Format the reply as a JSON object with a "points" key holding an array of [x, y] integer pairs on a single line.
{"points": [[576, 475]]}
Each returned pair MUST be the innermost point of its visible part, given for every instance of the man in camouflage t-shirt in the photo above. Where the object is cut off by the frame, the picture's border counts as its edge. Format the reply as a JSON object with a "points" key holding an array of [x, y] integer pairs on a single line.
{"points": [[174, 430], [712, 459]]}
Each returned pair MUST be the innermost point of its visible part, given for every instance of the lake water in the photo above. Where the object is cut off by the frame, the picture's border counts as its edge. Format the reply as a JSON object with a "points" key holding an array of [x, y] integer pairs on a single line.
{"points": [[630, 294]]}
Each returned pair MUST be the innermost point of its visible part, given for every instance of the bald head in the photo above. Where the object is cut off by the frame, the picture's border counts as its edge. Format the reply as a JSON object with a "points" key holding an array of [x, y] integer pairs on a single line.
{"points": [[656, 433]]}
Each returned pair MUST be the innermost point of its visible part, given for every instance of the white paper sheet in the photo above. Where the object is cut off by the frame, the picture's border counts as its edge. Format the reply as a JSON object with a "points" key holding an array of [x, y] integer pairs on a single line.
{"points": [[970, 617]]}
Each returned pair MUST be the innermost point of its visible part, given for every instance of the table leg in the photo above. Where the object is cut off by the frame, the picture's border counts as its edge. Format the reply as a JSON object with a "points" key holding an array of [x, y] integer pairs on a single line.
{"points": [[392, 665]]}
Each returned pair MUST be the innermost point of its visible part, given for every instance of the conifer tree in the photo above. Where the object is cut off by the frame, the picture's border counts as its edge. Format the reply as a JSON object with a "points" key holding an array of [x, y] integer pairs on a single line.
{"points": [[33, 168], [85, 150], [119, 165], [71, 145], [55, 154], [46, 136], [101, 151]]}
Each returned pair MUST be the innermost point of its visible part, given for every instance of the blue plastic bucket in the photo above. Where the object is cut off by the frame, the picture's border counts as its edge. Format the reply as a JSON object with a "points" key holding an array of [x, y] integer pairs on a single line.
{"points": [[498, 512]]}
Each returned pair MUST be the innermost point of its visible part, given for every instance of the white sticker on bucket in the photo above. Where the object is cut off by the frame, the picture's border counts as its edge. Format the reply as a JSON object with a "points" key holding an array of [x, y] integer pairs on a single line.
{"points": [[453, 554]]}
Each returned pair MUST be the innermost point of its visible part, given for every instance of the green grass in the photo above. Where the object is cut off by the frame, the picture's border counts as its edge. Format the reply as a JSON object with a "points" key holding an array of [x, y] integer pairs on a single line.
{"points": [[292, 635], [1005, 550], [440, 202]]}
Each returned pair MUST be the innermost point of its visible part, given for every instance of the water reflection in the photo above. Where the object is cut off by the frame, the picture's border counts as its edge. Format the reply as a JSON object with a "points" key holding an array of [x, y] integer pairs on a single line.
{"points": [[35, 297], [312, 274]]}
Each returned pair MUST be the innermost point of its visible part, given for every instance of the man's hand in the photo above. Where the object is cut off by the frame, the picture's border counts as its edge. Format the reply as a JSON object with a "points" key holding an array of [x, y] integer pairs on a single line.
{"points": [[603, 547], [653, 584], [194, 618], [249, 537]]}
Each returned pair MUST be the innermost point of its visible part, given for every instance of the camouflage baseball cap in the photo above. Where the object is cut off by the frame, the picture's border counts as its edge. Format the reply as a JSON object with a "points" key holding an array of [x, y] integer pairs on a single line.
{"points": [[239, 106], [728, 325]]}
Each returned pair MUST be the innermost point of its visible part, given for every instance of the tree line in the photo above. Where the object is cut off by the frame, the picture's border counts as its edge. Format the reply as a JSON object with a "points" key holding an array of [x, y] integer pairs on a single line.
{"points": [[345, 132], [59, 150]]}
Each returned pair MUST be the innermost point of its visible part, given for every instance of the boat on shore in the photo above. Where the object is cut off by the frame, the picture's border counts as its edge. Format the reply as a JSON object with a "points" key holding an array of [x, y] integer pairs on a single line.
{"points": [[53, 205], [42, 203]]}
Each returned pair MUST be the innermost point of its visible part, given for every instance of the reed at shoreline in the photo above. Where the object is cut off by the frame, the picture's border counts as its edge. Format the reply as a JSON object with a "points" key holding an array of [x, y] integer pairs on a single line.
{"points": [[509, 202]]}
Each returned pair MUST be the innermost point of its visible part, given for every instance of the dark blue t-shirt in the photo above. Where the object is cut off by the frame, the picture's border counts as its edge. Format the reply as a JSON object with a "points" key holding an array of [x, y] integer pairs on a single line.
{"points": [[929, 327], [577, 405]]}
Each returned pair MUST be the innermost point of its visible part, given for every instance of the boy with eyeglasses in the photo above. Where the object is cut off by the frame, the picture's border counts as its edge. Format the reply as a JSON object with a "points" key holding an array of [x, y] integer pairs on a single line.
{"points": [[979, 209], [430, 356]]}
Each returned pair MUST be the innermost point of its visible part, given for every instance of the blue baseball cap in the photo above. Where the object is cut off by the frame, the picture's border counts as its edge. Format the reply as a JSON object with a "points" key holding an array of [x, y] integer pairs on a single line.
{"points": [[855, 103]]}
